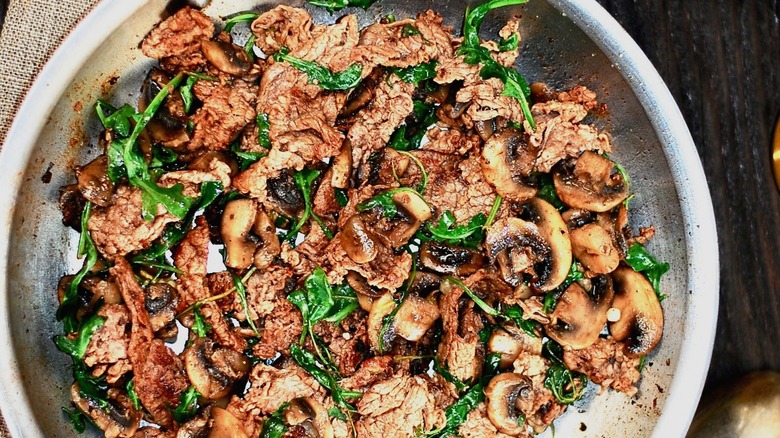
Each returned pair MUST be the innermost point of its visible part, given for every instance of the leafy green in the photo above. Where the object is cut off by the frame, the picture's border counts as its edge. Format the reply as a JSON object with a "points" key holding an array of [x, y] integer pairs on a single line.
{"points": [[337, 413], [548, 193], [337, 5], [409, 30], [444, 372], [514, 84], [263, 126], [319, 301], [90, 386], [87, 249], [186, 93], [641, 261], [199, 326], [77, 418], [551, 298], [175, 232], [77, 347], [241, 291], [515, 314], [309, 363], [249, 47], [423, 172], [642, 362], [477, 300], [188, 405], [565, 385], [245, 159], [510, 43], [416, 74], [325, 78], [240, 17], [384, 201], [274, 426], [304, 180], [409, 135], [118, 120], [469, 235], [342, 198], [493, 211], [132, 395]]}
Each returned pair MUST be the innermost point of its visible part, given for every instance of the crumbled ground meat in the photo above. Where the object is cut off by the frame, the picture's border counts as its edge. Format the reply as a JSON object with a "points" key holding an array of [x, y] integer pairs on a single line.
{"points": [[176, 41], [107, 349], [120, 229], [401, 406], [477, 425], [605, 363]]}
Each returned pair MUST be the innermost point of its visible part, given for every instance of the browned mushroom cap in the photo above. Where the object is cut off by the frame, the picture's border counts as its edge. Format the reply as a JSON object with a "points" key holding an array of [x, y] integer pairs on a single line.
{"points": [[507, 163], [342, 167], [446, 259], [415, 316], [509, 341], [310, 415], [538, 247], [238, 221], [71, 205], [359, 242], [581, 314], [227, 57], [269, 247], [104, 291], [361, 286], [284, 196], [502, 395], [169, 124], [117, 418], [594, 247], [381, 308], [94, 182], [161, 302], [225, 425], [641, 322], [213, 371], [590, 183]]}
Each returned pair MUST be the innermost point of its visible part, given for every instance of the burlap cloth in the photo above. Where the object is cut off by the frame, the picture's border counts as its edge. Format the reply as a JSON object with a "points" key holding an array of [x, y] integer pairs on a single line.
{"points": [[31, 31]]}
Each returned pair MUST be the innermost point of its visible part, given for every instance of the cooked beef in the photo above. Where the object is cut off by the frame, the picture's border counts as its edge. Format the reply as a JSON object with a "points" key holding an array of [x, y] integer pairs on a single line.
{"points": [[372, 370], [120, 229], [279, 330], [347, 341], [386, 271], [401, 406], [460, 351], [605, 363], [463, 191], [226, 111], [282, 26], [176, 41], [451, 141], [477, 425], [159, 376], [107, 349], [488, 101], [540, 407], [271, 387]]}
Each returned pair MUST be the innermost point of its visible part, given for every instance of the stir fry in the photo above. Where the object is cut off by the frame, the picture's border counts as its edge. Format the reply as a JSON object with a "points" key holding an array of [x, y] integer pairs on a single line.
{"points": [[328, 231]]}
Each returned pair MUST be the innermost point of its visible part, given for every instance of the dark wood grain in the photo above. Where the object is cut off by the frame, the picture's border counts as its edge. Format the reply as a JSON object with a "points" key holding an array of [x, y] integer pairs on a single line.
{"points": [[721, 61]]}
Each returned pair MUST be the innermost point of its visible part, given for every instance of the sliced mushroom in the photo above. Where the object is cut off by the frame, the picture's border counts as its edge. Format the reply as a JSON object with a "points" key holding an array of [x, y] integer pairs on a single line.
{"points": [[503, 395], [376, 321], [641, 322], [71, 205], [424, 284], [590, 183], [413, 204], [507, 163], [538, 247], [104, 291], [485, 129], [227, 57], [213, 371], [237, 223], [580, 314], [510, 341], [415, 316], [446, 259], [203, 162], [169, 124], [225, 425], [361, 286], [269, 247], [94, 182], [310, 415], [342, 167], [161, 302], [593, 246], [360, 243], [116, 418], [284, 195]]}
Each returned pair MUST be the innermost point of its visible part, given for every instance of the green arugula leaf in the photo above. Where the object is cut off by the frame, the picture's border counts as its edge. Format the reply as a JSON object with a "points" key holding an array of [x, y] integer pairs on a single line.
{"points": [[565, 385], [337, 413], [477, 300], [493, 211], [384, 201], [89, 386], [308, 362], [548, 193], [249, 47], [325, 78], [188, 405], [337, 5], [410, 134], [641, 261], [341, 197], [511, 43], [239, 17], [69, 304], [409, 30], [199, 326], [319, 301], [263, 126], [304, 180], [469, 235], [118, 120], [274, 426], [241, 291], [132, 395], [245, 159], [77, 418], [77, 347], [515, 314], [444, 372], [416, 74], [116, 161], [344, 303], [186, 93]]}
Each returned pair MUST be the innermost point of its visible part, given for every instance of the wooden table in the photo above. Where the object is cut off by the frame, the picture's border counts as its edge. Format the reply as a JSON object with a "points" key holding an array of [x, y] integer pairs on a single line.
{"points": [[721, 61]]}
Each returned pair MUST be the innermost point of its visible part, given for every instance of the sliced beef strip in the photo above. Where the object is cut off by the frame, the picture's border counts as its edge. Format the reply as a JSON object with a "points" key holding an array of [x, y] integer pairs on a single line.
{"points": [[541, 407], [176, 41], [282, 26], [463, 191], [386, 271], [191, 257], [605, 363], [460, 350], [478, 425], [226, 111], [159, 376], [107, 349]]}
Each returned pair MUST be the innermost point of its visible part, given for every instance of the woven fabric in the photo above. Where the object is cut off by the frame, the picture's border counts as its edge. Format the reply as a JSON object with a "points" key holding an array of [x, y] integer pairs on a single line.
{"points": [[31, 31]]}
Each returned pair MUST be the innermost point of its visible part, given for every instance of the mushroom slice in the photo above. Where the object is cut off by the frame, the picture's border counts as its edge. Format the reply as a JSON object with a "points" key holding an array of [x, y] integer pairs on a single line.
{"points": [[284, 196], [269, 247], [225, 425], [94, 182], [358, 241], [342, 167], [503, 395], [593, 246], [361, 286], [509, 341], [309, 414], [227, 57], [213, 371], [641, 322], [415, 316], [539, 247], [590, 183], [376, 321], [237, 223], [446, 259], [161, 301], [506, 160], [581, 314], [413, 204], [116, 418]]}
